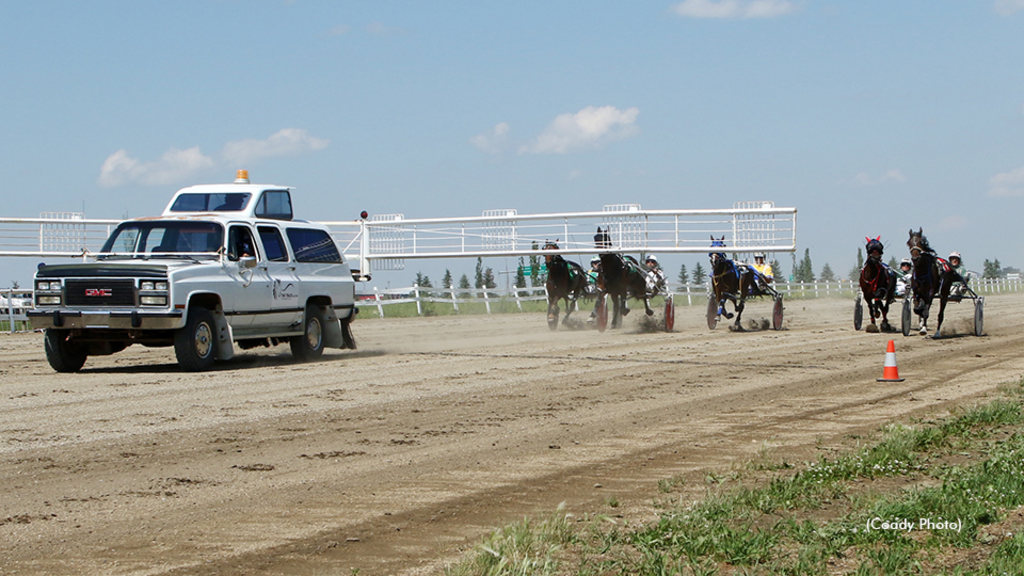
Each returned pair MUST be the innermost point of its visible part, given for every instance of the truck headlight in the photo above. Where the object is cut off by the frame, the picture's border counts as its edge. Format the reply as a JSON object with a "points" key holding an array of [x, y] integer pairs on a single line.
{"points": [[45, 285], [154, 300], [152, 285], [48, 300]]}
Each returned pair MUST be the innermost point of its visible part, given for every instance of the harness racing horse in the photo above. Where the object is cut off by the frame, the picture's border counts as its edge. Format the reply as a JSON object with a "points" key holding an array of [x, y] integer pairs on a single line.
{"points": [[735, 282], [566, 281], [878, 284], [932, 276], [621, 277]]}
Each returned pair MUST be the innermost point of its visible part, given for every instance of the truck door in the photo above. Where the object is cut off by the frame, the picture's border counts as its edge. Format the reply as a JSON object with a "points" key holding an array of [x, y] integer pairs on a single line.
{"points": [[246, 297], [284, 298]]}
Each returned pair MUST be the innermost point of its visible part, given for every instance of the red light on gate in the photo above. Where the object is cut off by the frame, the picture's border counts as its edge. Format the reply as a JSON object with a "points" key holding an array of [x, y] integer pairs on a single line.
{"points": [[364, 214]]}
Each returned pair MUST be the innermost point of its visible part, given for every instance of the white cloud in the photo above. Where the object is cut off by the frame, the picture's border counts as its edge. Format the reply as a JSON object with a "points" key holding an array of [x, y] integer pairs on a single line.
{"points": [[174, 166], [864, 179], [493, 141], [1007, 184], [733, 8], [588, 128], [287, 142], [1008, 7]]}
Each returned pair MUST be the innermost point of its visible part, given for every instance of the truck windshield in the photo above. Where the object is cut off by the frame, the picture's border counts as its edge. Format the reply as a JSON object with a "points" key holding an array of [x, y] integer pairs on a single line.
{"points": [[145, 238]]}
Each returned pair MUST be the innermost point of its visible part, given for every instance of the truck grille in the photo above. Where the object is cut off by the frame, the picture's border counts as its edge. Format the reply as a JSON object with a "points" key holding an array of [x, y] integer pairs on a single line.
{"points": [[99, 292]]}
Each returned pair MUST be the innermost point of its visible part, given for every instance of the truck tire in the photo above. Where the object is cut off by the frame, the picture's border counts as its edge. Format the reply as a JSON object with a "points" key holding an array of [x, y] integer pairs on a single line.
{"points": [[195, 345], [63, 356], [310, 345]]}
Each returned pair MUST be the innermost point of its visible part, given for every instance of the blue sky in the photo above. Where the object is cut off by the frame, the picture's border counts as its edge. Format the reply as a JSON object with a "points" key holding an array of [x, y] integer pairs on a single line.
{"points": [[870, 117]]}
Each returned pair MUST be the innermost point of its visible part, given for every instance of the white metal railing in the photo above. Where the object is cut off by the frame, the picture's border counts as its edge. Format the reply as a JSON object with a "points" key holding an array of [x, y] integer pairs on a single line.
{"points": [[54, 235], [14, 303], [501, 233], [384, 242]]}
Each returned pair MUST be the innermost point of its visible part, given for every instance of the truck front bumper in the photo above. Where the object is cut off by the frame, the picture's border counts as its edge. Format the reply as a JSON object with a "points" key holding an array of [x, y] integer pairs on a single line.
{"points": [[110, 319]]}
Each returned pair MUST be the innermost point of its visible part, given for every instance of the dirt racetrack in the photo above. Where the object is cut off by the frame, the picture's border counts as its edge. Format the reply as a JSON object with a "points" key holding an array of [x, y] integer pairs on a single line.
{"points": [[392, 458]]}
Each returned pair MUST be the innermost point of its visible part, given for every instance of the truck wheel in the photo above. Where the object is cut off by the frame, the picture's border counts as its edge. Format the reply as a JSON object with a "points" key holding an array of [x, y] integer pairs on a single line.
{"points": [[310, 345], [63, 356], [195, 344]]}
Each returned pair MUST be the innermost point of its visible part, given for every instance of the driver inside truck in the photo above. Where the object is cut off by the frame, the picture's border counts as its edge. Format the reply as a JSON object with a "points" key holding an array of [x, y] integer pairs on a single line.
{"points": [[240, 243]]}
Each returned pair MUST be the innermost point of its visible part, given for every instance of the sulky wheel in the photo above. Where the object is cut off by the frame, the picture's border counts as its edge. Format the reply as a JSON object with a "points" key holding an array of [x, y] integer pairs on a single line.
{"points": [[670, 313], [601, 308], [979, 316], [777, 313], [712, 313], [905, 317]]}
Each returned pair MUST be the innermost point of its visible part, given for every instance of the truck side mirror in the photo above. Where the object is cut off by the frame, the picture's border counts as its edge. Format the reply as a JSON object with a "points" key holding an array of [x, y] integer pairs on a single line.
{"points": [[247, 261]]}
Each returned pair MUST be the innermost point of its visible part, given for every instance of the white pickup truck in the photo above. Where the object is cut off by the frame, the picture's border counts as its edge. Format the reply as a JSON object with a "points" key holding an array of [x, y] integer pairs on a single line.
{"points": [[223, 263]]}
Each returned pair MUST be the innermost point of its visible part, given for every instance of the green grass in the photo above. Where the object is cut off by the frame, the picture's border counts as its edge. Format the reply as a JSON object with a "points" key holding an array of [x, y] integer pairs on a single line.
{"points": [[827, 516]]}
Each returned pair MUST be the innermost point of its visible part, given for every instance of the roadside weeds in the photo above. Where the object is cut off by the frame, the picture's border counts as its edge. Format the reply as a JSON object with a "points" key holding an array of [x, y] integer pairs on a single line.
{"points": [[937, 496]]}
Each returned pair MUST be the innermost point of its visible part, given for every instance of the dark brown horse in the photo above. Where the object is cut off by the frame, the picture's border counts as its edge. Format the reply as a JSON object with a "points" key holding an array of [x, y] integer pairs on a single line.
{"points": [[566, 281], [621, 277], [932, 277], [735, 282], [877, 283]]}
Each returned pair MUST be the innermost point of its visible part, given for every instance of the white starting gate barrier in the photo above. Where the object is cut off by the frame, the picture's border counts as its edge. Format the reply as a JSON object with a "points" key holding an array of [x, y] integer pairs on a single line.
{"points": [[385, 241]]}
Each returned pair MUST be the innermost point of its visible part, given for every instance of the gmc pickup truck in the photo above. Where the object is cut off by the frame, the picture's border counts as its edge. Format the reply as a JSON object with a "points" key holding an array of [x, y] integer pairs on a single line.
{"points": [[223, 264]]}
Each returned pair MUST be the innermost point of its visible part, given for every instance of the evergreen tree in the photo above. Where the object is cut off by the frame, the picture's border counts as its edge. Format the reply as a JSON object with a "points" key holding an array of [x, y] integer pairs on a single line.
{"points": [[698, 275], [464, 285], [535, 267], [489, 280], [446, 282], [806, 270], [892, 263], [992, 269], [423, 281], [826, 273], [520, 275], [684, 276], [479, 272], [854, 274], [777, 271]]}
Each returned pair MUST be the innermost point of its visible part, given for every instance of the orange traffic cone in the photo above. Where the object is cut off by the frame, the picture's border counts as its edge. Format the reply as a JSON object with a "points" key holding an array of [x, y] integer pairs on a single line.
{"points": [[891, 373]]}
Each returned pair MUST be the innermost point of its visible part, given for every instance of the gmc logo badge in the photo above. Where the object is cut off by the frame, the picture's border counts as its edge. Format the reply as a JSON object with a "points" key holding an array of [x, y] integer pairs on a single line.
{"points": [[99, 292]]}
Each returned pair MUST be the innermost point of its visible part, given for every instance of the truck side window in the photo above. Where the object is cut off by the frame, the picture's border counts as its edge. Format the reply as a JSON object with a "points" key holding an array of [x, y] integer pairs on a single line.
{"points": [[274, 205], [273, 243], [240, 243], [311, 245]]}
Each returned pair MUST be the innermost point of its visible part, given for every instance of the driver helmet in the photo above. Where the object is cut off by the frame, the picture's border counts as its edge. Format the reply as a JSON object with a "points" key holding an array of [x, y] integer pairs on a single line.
{"points": [[759, 255], [595, 260], [955, 254], [906, 262], [652, 258]]}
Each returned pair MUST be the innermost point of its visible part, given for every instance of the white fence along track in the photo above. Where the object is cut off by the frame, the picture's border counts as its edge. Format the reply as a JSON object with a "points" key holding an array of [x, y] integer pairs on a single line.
{"points": [[384, 242]]}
